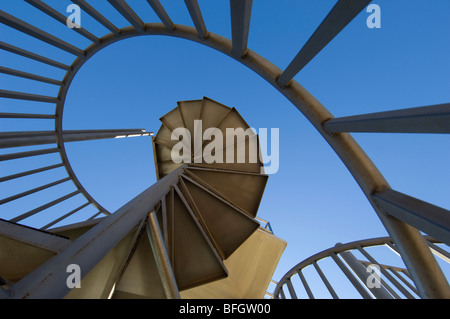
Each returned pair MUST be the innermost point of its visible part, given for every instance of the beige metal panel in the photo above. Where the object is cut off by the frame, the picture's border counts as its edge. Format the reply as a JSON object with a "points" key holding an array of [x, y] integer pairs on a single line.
{"points": [[213, 113], [228, 226], [251, 163], [190, 111], [73, 231], [99, 282], [33, 237], [140, 276], [167, 168], [163, 136], [232, 120], [163, 152], [196, 260], [173, 119], [250, 269], [18, 259], [244, 190]]}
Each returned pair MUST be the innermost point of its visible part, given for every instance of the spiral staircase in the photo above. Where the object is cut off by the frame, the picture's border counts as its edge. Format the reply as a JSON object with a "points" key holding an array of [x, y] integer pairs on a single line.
{"points": [[168, 242], [201, 238]]}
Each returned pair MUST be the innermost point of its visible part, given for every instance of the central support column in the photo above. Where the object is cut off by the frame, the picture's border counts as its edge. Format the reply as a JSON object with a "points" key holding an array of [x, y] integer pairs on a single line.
{"points": [[162, 259]]}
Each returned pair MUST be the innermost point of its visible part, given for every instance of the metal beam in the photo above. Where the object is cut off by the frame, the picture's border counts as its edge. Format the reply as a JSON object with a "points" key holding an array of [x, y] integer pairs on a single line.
{"points": [[33, 56], [128, 13], [7, 157], [361, 271], [96, 15], [438, 251], [342, 14], [43, 207], [197, 18], [61, 18], [305, 285], [355, 282], [387, 275], [431, 219], [291, 289], [27, 28], [26, 116], [395, 272], [427, 119], [95, 215], [325, 280], [33, 237], [28, 96], [34, 190], [162, 259], [18, 139], [65, 216], [48, 281], [241, 11], [30, 172], [162, 14], [30, 76]]}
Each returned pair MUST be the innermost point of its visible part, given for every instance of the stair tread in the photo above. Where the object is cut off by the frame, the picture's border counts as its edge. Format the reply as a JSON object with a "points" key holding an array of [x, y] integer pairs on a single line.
{"points": [[241, 189], [228, 226]]}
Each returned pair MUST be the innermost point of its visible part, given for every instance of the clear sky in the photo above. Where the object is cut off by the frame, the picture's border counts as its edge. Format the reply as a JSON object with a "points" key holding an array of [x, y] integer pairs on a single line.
{"points": [[312, 202]]}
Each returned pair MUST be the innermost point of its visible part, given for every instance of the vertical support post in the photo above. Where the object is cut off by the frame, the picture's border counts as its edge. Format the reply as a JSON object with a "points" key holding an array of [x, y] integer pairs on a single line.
{"points": [[363, 275], [241, 11], [161, 257], [291, 289]]}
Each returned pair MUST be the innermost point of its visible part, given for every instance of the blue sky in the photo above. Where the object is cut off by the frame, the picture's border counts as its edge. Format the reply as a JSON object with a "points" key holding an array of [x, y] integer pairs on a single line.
{"points": [[312, 202]]}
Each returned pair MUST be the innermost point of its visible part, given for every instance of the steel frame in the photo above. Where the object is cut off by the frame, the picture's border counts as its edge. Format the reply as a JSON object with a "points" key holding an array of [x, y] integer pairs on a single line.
{"points": [[428, 277], [356, 271]]}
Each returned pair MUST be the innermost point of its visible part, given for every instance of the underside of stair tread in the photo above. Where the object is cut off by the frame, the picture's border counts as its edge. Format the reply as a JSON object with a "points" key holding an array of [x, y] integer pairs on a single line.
{"points": [[228, 226], [209, 137], [244, 190], [195, 258], [205, 216]]}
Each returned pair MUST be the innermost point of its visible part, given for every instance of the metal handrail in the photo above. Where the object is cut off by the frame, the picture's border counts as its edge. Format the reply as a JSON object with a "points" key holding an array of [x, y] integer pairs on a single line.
{"points": [[387, 203], [392, 283]]}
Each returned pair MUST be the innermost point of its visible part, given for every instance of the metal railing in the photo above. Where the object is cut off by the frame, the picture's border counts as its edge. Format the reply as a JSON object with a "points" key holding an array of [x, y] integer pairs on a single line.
{"points": [[366, 277], [397, 211]]}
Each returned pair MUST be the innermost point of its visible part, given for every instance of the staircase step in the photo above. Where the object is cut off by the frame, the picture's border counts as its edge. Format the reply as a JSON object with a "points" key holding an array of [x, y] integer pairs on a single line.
{"points": [[228, 226], [195, 259], [140, 277], [249, 163], [244, 190], [190, 111], [173, 119]]}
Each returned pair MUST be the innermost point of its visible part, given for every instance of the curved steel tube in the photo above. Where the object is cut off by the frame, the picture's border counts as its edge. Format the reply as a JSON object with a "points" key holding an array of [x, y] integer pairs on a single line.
{"points": [[427, 274], [334, 250]]}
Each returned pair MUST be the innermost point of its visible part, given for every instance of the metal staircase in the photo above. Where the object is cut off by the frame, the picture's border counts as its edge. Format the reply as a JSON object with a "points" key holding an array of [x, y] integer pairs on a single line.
{"points": [[111, 248], [178, 234]]}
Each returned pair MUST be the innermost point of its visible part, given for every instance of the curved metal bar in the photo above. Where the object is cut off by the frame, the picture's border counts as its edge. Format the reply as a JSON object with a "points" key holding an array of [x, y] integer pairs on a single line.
{"points": [[426, 272], [337, 249]]}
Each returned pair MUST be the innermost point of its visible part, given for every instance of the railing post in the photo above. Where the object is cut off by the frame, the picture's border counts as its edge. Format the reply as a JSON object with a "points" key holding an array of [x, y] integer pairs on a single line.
{"points": [[162, 259]]}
